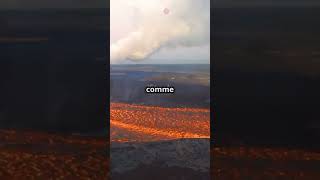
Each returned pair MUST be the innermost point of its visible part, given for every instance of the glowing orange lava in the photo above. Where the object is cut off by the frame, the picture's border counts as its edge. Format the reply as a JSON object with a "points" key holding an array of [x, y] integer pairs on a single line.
{"points": [[148, 123]]}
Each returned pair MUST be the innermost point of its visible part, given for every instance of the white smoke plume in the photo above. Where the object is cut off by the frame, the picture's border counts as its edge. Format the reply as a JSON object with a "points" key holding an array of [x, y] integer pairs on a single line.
{"points": [[161, 24]]}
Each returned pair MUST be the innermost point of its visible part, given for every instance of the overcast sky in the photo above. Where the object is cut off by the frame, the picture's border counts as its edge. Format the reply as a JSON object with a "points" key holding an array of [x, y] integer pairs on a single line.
{"points": [[126, 19]]}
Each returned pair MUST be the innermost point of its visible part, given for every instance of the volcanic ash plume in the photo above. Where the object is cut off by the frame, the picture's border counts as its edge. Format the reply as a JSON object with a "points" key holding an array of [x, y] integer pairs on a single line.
{"points": [[162, 24]]}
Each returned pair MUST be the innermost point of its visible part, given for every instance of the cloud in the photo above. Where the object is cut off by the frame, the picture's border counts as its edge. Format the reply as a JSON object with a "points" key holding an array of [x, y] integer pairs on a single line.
{"points": [[178, 23]]}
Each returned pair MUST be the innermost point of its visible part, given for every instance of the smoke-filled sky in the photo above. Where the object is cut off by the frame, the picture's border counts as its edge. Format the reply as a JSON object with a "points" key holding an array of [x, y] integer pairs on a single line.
{"points": [[160, 31]]}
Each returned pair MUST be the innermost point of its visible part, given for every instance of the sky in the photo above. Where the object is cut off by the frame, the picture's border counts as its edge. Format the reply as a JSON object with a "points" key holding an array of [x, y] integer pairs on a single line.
{"points": [[125, 22], [180, 37], [27, 4]]}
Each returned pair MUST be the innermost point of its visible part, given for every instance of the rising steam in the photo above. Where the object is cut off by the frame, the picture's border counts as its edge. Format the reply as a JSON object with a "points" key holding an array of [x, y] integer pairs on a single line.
{"points": [[161, 24]]}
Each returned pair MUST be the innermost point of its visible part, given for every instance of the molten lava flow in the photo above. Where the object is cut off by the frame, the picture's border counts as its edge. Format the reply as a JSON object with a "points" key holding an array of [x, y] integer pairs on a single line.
{"points": [[147, 123]]}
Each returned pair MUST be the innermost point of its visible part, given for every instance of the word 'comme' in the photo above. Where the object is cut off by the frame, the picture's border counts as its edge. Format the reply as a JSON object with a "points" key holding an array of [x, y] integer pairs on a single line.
{"points": [[159, 90]]}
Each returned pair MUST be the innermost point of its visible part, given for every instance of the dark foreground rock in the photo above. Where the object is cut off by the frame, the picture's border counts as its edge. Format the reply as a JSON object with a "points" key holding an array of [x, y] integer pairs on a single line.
{"points": [[175, 160]]}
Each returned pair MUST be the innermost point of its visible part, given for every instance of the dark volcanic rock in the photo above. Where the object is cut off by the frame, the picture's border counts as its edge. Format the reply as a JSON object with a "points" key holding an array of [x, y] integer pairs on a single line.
{"points": [[177, 159]]}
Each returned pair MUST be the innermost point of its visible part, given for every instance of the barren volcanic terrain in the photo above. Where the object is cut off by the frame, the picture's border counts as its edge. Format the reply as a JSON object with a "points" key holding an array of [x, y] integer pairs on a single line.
{"points": [[32, 155], [147, 123], [245, 163], [166, 141]]}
